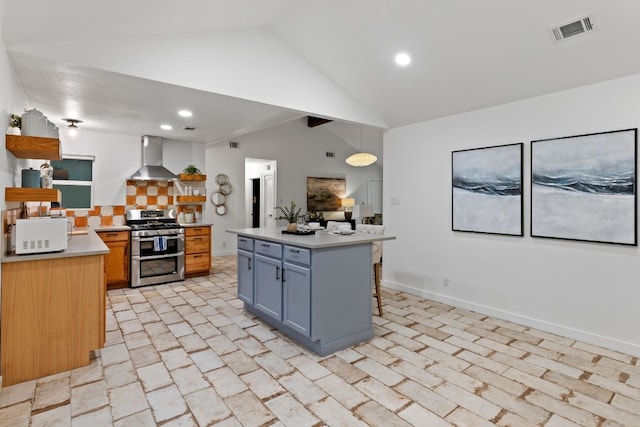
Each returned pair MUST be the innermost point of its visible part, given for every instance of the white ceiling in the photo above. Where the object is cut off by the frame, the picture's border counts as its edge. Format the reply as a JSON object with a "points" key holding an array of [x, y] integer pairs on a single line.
{"points": [[126, 66]]}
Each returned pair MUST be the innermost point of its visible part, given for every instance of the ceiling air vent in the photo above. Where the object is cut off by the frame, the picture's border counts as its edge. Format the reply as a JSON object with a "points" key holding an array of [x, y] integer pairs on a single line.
{"points": [[233, 144], [572, 29], [330, 154]]}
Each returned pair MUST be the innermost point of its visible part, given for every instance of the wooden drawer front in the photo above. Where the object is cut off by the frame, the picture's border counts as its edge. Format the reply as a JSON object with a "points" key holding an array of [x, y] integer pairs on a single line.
{"points": [[197, 262], [271, 249], [113, 236], [297, 255], [245, 243], [197, 231], [196, 244]]}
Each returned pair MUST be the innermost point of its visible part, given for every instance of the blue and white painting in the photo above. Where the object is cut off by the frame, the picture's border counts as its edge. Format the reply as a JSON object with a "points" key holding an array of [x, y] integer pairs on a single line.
{"points": [[584, 187], [487, 190]]}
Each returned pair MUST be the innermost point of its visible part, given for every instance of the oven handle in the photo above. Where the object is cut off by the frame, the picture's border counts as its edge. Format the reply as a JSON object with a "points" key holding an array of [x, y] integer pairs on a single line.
{"points": [[144, 258], [150, 239]]}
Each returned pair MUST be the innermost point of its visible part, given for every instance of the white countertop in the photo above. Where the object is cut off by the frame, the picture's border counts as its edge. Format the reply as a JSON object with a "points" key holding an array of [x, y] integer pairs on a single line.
{"points": [[196, 224], [321, 239], [79, 245], [107, 228]]}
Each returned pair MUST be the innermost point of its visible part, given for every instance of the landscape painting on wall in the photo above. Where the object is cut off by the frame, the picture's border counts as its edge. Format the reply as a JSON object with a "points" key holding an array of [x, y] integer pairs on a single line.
{"points": [[487, 190], [324, 194], [584, 187]]}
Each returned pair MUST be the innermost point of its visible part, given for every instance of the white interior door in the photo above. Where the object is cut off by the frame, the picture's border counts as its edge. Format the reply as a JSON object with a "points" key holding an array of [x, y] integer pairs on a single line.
{"points": [[269, 199]]}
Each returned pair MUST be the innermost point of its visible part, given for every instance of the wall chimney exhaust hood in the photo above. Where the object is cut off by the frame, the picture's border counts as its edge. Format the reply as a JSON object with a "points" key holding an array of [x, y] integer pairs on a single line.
{"points": [[152, 169]]}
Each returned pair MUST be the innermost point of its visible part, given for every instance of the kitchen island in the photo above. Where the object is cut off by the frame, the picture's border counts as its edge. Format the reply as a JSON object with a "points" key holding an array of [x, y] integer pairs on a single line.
{"points": [[53, 309], [317, 289]]}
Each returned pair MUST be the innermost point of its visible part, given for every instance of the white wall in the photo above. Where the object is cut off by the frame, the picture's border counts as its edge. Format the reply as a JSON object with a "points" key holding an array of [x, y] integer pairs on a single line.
{"points": [[118, 156], [300, 152], [582, 290], [12, 101]]}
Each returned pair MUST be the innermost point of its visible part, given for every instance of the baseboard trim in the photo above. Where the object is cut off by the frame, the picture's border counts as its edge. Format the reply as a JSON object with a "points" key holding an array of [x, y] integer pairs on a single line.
{"points": [[554, 328], [224, 253]]}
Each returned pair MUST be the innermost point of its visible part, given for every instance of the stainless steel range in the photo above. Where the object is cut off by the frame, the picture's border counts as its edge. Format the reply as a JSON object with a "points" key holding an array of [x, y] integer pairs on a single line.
{"points": [[157, 247]]}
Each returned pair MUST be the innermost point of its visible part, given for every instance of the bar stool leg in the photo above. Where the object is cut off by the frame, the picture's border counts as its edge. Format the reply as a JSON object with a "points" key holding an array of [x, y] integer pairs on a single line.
{"points": [[377, 273]]}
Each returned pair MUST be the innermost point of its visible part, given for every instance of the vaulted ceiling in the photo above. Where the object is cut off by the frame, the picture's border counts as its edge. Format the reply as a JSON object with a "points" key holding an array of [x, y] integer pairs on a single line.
{"points": [[126, 66]]}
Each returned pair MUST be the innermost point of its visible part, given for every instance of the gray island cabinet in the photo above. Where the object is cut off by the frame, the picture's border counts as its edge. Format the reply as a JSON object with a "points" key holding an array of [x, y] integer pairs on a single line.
{"points": [[316, 289]]}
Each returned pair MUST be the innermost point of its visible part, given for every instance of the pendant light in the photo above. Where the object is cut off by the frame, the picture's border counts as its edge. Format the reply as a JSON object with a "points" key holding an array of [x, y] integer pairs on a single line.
{"points": [[362, 158], [72, 132]]}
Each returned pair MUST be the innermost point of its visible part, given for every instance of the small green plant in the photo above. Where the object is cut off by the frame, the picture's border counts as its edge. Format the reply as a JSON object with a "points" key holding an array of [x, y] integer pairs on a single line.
{"points": [[289, 213], [15, 121], [192, 170]]}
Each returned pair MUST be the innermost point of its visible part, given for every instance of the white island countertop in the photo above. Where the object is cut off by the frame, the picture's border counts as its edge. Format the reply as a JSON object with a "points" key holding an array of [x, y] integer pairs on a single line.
{"points": [[79, 245], [321, 238]]}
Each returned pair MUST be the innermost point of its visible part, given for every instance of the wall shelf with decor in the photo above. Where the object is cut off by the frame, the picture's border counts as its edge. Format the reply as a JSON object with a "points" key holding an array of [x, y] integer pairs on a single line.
{"points": [[192, 177], [34, 147], [18, 194], [191, 199], [190, 184]]}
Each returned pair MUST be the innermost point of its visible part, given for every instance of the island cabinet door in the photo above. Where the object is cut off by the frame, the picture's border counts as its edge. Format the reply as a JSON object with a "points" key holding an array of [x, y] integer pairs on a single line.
{"points": [[268, 286], [296, 310], [245, 276]]}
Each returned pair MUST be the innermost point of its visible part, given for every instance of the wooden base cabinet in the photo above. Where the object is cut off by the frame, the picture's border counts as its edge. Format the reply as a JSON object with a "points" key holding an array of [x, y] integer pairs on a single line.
{"points": [[53, 316], [197, 249], [117, 261]]}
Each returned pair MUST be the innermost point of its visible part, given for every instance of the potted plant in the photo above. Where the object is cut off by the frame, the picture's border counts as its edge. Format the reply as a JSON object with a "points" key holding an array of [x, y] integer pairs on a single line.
{"points": [[290, 214], [191, 173], [15, 124]]}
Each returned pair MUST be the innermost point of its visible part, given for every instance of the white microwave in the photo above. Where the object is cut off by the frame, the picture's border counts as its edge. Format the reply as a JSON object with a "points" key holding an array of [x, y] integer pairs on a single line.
{"points": [[39, 235]]}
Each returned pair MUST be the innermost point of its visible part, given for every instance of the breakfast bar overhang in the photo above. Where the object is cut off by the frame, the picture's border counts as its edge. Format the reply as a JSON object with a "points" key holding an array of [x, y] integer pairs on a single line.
{"points": [[316, 289]]}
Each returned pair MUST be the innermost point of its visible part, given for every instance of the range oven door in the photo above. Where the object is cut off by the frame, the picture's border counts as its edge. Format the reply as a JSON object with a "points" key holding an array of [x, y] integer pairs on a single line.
{"points": [[152, 263], [152, 246]]}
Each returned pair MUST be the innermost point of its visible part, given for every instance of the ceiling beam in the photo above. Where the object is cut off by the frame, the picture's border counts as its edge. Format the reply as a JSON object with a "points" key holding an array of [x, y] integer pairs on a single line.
{"points": [[316, 121]]}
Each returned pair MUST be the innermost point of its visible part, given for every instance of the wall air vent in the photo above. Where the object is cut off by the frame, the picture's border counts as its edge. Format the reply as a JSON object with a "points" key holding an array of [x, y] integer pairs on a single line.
{"points": [[234, 144], [330, 154], [572, 29]]}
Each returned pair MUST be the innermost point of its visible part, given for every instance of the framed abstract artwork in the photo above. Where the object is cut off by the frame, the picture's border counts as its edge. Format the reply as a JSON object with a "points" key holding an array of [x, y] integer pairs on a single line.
{"points": [[324, 194], [584, 187], [486, 190]]}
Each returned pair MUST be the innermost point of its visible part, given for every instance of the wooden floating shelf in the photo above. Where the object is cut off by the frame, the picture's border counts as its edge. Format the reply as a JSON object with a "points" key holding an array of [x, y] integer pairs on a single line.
{"points": [[17, 194], [192, 177], [34, 147], [191, 199]]}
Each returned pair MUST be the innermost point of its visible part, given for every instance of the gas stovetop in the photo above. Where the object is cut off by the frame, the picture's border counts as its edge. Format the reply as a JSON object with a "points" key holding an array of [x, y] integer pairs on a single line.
{"points": [[153, 222], [154, 225]]}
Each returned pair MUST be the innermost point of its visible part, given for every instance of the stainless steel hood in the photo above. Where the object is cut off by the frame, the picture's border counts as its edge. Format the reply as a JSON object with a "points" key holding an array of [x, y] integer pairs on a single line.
{"points": [[152, 169]]}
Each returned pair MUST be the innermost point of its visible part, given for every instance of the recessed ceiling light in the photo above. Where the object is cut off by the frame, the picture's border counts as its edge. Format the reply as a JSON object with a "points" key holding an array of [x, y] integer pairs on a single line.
{"points": [[403, 59], [185, 113], [166, 127]]}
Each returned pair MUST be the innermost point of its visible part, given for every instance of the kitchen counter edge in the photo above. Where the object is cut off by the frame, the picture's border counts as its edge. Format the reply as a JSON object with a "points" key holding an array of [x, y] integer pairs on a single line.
{"points": [[106, 228], [321, 239], [196, 224], [79, 245]]}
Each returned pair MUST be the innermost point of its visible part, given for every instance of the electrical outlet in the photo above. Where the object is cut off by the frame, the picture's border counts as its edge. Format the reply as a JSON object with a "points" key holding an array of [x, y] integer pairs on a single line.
{"points": [[445, 282], [224, 244]]}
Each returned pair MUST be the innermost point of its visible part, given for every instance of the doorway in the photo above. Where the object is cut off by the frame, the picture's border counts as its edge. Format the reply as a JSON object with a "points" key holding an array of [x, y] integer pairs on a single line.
{"points": [[255, 202], [260, 194]]}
